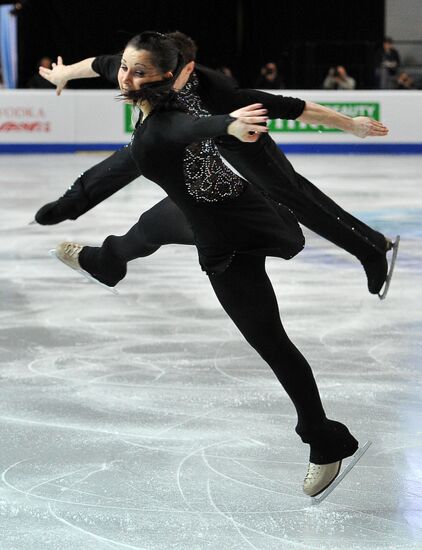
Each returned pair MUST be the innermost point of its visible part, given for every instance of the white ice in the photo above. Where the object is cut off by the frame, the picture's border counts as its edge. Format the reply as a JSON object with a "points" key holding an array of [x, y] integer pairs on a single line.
{"points": [[144, 421]]}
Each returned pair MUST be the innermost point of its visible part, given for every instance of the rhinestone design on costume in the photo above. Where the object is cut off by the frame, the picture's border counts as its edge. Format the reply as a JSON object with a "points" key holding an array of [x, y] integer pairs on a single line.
{"points": [[207, 178]]}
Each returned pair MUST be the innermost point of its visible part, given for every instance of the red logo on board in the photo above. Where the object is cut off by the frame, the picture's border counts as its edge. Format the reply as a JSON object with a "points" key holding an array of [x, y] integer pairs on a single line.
{"points": [[25, 127]]}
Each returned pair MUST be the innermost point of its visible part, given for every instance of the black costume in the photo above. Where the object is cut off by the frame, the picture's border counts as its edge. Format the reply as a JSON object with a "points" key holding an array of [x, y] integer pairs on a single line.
{"points": [[261, 163], [234, 227], [226, 214]]}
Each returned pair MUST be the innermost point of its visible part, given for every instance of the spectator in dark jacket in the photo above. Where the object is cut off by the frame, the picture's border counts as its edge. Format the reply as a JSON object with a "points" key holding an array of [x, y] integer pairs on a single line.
{"points": [[269, 78], [389, 64]]}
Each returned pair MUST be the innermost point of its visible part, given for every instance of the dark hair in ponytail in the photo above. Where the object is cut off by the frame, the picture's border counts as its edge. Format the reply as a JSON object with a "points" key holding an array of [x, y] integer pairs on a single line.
{"points": [[166, 57]]}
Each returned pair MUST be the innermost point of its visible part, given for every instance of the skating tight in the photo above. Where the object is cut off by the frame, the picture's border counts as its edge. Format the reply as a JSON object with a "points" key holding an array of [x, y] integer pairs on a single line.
{"points": [[246, 294], [164, 223]]}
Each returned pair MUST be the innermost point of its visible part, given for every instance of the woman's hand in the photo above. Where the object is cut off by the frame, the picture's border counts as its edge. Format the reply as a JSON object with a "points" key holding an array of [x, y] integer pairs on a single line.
{"points": [[364, 126], [57, 75], [248, 124]]}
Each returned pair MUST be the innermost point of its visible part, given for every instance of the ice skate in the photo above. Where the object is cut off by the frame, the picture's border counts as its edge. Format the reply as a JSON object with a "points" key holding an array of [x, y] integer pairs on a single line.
{"points": [[394, 246], [377, 270], [69, 206], [68, 253], [322, 479]]}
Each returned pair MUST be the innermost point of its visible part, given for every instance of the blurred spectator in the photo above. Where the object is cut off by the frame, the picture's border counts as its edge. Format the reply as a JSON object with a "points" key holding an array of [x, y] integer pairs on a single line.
{"points": [[405, 82], [269, 78], [228, 72], [17, 7], [388, 66], [37, 81], [338, 79]]}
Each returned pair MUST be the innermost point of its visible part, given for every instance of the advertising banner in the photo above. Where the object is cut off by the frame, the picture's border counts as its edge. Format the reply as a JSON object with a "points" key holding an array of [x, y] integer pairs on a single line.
{"points": [[39, 121]]}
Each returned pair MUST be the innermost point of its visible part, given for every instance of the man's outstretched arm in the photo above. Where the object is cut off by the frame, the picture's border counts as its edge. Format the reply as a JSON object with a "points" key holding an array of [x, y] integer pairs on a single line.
{"points": [[60, 74], [102, 180], [106, 66], [360, 126], [290, 108]]}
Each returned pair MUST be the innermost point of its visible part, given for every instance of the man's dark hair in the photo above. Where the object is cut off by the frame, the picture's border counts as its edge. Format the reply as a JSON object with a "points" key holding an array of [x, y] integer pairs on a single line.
{"points": [[186, 45]]}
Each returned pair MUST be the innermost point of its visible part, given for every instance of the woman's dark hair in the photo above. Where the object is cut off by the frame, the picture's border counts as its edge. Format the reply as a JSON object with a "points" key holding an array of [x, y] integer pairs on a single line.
{"points": [[166, 57]]}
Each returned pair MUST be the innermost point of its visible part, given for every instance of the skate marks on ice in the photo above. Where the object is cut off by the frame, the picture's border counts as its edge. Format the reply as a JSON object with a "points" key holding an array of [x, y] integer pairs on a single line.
{"points": [[145, 421], [216, 493]]}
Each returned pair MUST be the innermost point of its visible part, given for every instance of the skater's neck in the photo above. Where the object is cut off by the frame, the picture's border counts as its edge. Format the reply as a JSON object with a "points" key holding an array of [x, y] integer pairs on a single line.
{"points": [[146, 109]]}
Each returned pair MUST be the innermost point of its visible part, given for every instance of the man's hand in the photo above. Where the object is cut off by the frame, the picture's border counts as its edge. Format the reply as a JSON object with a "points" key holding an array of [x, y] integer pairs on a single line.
{"points": [[60, 74], [364, 126], [360, 126], [248, 125], [57, 75]]}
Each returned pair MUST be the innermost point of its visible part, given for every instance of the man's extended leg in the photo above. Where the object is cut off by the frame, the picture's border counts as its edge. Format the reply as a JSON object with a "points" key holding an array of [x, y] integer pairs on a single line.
{"points": [[90, 188], [268, 168]]}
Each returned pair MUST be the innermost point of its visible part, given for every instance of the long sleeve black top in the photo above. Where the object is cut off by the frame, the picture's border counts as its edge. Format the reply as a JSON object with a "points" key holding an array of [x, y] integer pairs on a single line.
{"points": [[244, 223]]}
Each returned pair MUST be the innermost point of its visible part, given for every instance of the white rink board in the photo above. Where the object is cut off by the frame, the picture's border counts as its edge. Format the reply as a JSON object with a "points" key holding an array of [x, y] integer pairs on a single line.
{"points": [[33, 121], [74, 117]]}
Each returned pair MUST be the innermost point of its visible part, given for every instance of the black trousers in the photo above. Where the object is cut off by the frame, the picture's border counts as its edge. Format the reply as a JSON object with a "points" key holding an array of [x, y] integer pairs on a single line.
{"points": [[261, 163], [246, 294]]}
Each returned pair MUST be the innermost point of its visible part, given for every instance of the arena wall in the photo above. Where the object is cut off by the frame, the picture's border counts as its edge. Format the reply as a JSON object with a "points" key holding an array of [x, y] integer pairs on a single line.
{"points": [[39, 121]]}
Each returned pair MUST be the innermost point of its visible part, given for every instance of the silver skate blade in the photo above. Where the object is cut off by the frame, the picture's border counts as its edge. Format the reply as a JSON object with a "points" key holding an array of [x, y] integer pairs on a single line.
{"points": [[355, 459], [382, 295], [84, 273], [34, 222]]}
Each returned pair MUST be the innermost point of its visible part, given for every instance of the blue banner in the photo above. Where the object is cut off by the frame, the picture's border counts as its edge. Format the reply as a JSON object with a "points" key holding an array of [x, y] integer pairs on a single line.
{"points": [[8, 47]]}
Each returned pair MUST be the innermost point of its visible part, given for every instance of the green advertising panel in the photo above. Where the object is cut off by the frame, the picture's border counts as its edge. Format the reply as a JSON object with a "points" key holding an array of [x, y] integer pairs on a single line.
{"points": [[350, 108], [128, 118]]}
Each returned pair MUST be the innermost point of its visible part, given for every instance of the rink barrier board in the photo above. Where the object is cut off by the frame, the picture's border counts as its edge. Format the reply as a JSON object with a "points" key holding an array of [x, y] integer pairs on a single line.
{"points": [[291, 148], [38, 121]]}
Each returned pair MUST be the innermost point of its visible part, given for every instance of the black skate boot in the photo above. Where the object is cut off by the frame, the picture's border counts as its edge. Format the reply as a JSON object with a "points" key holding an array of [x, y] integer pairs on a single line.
{"points": [[378, 272], [70, 206]]}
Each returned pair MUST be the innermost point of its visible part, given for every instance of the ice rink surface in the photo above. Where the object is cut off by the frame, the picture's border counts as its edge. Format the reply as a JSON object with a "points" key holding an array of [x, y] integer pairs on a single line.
{"points": [[144, 421]]}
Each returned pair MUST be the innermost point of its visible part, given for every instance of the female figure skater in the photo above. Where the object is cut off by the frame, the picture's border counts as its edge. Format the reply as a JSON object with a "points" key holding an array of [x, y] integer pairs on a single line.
{"points": [[234, 226]]}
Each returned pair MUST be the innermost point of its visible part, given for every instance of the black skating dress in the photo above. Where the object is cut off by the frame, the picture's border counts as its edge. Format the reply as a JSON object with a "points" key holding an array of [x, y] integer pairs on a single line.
{"points": [[227, 215]]}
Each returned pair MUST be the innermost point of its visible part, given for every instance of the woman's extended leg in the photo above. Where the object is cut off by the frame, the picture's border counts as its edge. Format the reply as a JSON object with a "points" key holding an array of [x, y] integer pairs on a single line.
{"points": [[246, 293], [164, 223]]}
